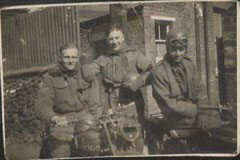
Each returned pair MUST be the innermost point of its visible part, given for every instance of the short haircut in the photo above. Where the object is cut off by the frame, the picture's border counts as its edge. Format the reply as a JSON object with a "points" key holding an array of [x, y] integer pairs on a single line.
{"points": [[68, 46], [114, 27]]}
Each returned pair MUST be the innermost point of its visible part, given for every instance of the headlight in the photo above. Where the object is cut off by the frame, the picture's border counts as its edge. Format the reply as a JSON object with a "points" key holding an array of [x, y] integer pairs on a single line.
{"points": [[129, 129]]}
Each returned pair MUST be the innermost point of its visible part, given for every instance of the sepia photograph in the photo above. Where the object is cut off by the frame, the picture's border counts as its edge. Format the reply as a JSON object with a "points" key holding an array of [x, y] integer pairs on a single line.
{"points": [[119, 79]]}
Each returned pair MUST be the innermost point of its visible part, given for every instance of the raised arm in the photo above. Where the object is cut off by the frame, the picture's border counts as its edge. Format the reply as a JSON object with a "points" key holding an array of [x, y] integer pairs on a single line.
{"points": [[91, 70]]}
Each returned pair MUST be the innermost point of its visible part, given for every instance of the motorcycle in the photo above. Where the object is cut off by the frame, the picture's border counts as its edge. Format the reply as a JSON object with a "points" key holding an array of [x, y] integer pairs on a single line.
{"points": [[112, 134], [194, 140], [106, 134]]}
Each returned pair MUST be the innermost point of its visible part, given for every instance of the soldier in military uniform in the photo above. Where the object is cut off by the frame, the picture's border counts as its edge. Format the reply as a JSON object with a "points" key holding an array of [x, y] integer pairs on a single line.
{"points": [[117, 66], [175, 82], [176, 89], [64, 92], [120, 68]]}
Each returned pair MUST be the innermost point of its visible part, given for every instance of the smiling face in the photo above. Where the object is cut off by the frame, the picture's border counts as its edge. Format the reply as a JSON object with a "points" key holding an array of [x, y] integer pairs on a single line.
{"points": [[70, 58], [176, 53], [176, 44], [116, 40]]}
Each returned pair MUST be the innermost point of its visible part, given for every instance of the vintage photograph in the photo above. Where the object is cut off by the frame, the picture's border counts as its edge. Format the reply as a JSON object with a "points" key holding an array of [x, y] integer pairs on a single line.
{"points": [[128, 79]]}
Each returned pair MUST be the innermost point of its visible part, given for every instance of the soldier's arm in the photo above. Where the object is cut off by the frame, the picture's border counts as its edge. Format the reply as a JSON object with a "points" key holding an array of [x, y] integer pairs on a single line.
{"points": [[44, 102], [144, 66], [91, 70], [162, 94], [143, 63], [94, 98], [93, 93]]}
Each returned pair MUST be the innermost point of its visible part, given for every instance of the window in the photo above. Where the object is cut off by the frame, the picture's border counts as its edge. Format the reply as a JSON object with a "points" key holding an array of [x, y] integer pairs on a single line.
{"points": [[161, 27]]}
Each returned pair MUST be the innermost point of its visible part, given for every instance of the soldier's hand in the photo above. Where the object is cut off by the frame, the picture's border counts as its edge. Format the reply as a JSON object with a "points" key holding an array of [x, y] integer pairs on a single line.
{"points": [[134, 84], [88, 72], [133, 81], [59, 120]]}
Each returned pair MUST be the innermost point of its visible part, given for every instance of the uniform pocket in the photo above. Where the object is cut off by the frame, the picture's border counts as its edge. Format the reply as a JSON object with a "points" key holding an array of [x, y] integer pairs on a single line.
{"points": [[61, 91], [60, 84]]}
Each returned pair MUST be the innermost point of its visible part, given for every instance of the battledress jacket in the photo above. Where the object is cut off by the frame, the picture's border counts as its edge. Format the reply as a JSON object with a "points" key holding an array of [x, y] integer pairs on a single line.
{"points": [[178, 109], [60, 93], [113, 69], [115, 66]]}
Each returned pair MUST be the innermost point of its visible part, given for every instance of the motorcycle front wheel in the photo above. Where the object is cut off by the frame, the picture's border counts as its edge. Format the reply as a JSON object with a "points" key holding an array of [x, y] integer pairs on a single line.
{"points": [[132, 148]]}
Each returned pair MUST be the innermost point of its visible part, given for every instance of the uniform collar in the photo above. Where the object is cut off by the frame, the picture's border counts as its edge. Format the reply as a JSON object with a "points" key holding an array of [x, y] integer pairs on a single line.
{"points": [[125, 48], [66, 73], [171, 62]]}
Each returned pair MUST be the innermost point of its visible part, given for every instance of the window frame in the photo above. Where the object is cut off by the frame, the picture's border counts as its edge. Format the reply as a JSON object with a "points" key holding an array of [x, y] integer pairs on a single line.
{"points": [[162, 19]]}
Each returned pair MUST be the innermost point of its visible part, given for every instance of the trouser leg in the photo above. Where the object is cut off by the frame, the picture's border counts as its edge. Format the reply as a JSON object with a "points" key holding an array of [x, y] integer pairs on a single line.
{"points": [[59, 149]]}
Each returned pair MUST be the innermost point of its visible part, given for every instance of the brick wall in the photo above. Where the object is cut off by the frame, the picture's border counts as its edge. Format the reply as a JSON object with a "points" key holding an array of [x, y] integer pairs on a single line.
{"points": [[135, 33], [96, 29], [230, 54], [184, 14]]}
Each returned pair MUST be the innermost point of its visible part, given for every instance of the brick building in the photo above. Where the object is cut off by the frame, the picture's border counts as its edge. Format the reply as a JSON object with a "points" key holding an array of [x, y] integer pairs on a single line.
{"points": [[205, 23]]}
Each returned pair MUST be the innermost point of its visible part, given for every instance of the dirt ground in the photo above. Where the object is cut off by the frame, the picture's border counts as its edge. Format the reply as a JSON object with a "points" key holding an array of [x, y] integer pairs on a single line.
{"points": [[30, 151], [22, 151]]}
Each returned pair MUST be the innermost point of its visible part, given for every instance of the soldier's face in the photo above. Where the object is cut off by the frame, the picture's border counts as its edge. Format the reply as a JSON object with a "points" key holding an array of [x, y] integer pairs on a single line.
{"points": [[176, 53], [116, 40], [70, 58]]}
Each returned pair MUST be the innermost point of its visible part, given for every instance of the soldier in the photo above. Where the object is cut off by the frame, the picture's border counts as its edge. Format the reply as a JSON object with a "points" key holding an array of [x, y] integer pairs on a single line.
{"points": [[175, 82], [64, 92], [176, 89], [120, 69]]}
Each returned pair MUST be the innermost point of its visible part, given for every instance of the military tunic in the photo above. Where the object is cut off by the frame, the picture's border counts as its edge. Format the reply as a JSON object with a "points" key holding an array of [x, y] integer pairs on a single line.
{"points": [[113, 68], [176, 95], [60, 94]]}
